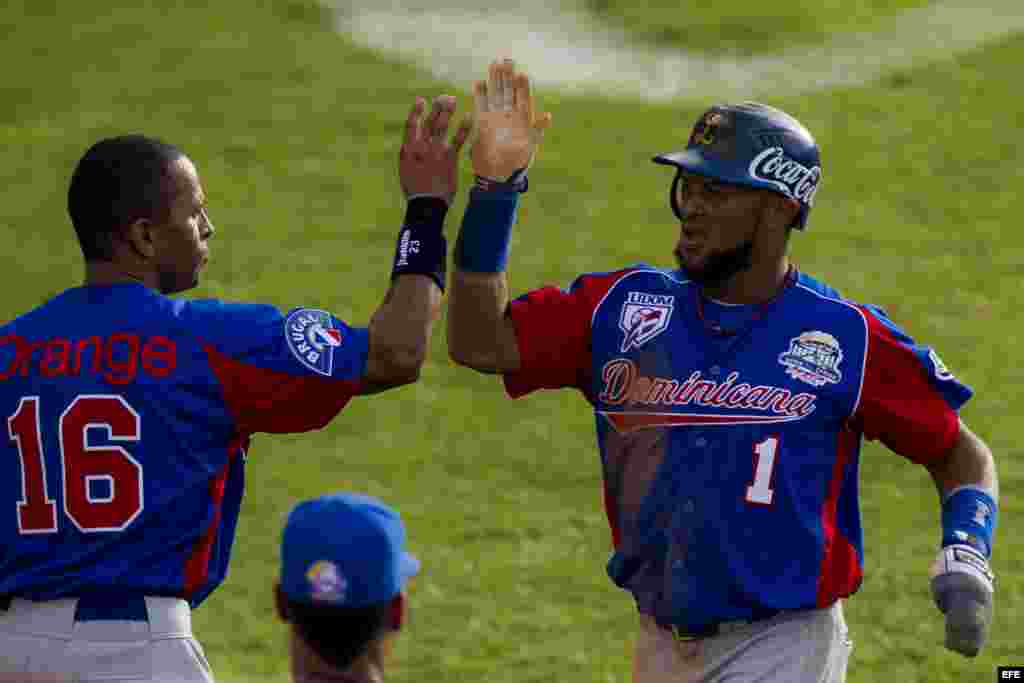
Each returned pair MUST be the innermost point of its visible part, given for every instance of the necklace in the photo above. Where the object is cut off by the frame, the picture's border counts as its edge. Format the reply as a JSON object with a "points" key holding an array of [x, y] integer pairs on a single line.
{"points": [[717, 330]]}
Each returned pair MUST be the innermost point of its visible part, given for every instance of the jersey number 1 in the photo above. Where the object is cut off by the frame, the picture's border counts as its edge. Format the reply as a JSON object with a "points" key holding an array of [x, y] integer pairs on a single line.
{"points": [[761, 491], [83, 466]]}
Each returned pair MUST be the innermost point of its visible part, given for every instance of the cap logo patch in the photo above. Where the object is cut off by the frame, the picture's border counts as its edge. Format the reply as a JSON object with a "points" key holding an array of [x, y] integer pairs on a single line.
{"points": [[790, 177], [326, 583], [312, 339]]}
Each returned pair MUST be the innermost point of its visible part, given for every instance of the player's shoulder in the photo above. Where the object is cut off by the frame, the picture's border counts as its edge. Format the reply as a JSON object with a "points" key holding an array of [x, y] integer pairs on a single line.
{"points": [[104, 310], [12, 326], [822, 299], [228, 325], [824, 302], [89, 307], [638, 274], [39, 313], [216, 312]]}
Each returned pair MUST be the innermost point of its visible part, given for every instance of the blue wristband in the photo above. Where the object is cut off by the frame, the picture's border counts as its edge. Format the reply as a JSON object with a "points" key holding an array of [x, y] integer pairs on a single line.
{"points": [[483, 243], [969, 516], [517, 182]]}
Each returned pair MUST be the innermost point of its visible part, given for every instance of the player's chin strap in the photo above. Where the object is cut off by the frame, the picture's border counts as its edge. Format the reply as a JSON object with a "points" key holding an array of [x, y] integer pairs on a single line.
{"points": [[673, 201], [962, 583]]}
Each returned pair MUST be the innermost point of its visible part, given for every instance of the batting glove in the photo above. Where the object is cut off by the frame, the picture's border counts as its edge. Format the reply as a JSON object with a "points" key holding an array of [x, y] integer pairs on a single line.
{"points": [[961, 584]]}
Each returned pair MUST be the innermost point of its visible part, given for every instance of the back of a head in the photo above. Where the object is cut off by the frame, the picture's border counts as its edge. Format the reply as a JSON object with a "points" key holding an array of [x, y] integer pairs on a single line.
{"points": [[340, 635], [343, 564], [116, 182]]}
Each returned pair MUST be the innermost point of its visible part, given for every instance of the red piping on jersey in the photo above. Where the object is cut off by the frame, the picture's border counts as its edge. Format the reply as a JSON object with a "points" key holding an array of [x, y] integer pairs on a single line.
{"points": [[840, 574], [197, 565]]}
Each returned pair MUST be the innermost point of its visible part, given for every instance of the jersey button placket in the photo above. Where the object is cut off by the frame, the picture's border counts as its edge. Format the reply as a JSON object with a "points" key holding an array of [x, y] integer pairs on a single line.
{"points": [[714, 371], [683, 519]]}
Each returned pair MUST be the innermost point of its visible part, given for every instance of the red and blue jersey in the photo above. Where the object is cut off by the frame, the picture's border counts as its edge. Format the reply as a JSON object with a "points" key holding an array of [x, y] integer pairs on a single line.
{"points": [[730, 449], [128, 418]]}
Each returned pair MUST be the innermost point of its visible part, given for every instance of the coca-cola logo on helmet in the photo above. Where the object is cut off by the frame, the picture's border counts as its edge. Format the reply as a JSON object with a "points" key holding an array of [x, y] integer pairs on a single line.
{"points": [[789, 176]]}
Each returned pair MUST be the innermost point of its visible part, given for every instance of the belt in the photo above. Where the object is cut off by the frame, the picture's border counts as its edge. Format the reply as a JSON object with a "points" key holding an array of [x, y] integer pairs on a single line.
{"points": [[101, 607], [100, 617], [687, 633], [111, 607]]}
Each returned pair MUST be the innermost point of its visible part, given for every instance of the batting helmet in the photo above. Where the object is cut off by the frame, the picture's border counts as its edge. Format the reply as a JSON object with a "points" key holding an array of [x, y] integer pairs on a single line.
{"points": [[754, 145]]}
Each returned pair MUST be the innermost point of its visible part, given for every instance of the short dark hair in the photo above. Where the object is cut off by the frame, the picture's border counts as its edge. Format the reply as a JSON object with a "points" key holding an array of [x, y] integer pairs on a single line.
{"points": [[116, 182], [339, 635]]}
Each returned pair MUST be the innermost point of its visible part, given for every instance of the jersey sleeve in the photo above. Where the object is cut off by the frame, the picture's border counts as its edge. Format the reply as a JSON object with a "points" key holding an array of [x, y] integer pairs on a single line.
{"points": [[909, 399], [282, 372], [553, 335]]}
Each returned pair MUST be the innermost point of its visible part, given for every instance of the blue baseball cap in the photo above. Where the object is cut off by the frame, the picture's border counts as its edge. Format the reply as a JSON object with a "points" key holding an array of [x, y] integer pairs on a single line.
{"points": [[344, 550]]}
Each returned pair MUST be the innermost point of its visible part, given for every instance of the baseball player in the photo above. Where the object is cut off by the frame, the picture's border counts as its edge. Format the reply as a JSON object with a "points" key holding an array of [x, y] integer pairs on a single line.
{"points": [[731, 397], [129, 413], [344, 571]]}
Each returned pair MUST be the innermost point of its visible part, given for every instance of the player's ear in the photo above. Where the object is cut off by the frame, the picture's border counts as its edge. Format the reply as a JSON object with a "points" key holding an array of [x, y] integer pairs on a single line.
{"points": [[139, 236], [397, 617], [281, 602], [781, 211]]}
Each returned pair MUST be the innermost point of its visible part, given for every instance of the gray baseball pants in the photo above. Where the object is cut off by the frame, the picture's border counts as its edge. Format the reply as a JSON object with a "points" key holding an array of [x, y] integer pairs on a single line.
{"points": [[806, 646], [43, 641]]}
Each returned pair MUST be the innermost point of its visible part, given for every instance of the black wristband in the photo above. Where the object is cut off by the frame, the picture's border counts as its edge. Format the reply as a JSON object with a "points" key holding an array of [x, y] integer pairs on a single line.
{"points": [[425, 210], [421, 246]]}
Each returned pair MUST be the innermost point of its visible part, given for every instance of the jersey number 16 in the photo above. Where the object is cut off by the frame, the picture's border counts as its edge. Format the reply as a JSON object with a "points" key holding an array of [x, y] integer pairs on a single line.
{"points": [[83, 467]]}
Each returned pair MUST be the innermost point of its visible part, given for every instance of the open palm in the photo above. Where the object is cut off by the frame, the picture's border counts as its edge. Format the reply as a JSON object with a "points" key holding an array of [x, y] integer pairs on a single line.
{"points": [[508, 131], [427, 163]]}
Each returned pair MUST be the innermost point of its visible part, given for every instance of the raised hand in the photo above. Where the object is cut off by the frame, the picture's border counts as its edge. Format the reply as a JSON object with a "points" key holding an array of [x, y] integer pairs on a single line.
{"points": [[508, 131], [428, 164]]}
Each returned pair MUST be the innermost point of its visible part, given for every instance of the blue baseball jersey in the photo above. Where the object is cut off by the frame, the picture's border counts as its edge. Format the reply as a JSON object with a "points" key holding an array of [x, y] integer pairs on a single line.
{"points": [[128, 419], [730, 442]]}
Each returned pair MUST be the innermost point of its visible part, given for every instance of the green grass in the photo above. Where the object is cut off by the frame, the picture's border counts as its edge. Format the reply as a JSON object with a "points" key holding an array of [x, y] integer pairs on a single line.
{"points": [[295, 133], [744, 28]]}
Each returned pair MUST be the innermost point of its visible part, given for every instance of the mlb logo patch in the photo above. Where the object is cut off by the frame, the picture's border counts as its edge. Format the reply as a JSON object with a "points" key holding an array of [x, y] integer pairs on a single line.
{"points": [[644, 316], [312, 339]]}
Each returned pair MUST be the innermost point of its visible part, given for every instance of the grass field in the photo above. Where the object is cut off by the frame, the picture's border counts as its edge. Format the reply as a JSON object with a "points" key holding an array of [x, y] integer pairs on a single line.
{"points": [[745, 27], [296, 131]]}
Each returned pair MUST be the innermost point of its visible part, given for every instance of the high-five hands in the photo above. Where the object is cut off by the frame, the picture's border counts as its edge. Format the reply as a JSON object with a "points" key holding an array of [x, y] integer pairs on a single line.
{"points": [[428, 165], [508, 130]]}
